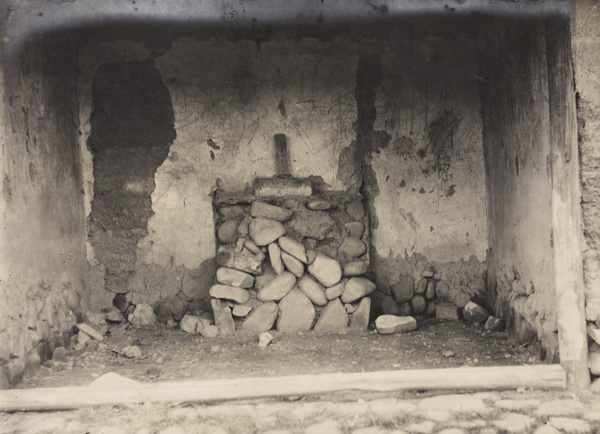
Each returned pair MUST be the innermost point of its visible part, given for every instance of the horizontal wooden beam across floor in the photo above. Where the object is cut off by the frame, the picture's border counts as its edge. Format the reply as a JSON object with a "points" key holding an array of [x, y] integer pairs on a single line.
{"points": [[468, 378]]}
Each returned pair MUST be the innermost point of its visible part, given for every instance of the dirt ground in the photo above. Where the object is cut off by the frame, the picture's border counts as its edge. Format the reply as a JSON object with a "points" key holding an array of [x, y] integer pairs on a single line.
{"points": [[171, 354]]}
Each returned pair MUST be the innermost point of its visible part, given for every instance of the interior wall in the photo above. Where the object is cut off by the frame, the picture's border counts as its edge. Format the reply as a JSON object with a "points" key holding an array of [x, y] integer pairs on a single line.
{"points": [[229, 100], [586, 58], [425, 174], [42, 259], [514, 93]]}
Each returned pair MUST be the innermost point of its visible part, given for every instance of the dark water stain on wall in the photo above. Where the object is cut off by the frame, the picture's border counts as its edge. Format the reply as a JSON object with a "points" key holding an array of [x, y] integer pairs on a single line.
{"points": [[441, 136]]}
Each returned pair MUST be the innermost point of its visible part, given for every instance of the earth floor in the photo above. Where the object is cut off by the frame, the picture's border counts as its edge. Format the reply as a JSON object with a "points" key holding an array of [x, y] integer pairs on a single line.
{"points": [[171, 354]]}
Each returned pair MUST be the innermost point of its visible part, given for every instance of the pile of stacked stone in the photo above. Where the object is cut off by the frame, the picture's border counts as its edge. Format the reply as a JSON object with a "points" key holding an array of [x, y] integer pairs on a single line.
{"points": [[291, 261], [432, 296]]}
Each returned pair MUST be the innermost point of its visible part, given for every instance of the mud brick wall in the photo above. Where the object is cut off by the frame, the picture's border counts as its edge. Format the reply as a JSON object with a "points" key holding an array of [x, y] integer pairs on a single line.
{"points": [[518, 167], [42, 241], [586, 59], [294, 261]]}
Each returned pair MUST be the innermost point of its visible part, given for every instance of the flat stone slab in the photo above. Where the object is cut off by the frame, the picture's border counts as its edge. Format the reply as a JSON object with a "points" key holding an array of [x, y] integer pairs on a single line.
{"points": [[232, 277], [293, 265], [334, 318], [223, 317], [277, 288], [239, 295], [261, 209], [275, 258], [313, 290], [570, 425], [282, 187], [390, 324], [514, 423], [265, 231], [294, 248], [326, 270], [455, 403], [517, 404], [296, 312], [361, 316], [560, 407], [262, 318], [241, 310], [356, 288]]}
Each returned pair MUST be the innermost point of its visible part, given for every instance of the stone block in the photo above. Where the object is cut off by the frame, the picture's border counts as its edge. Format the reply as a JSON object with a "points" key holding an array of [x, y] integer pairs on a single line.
{"points": [[223, 317], [292, 264], [334, 318], [389, 324], [275, 258], [355, 268], [296, 312], [404, 289], [472, 312], [282, 187], [228, 231], [318, 204], [313, 290], [232, 277], [277, 288], [239, 295], [355, 229], [326, 270], [262, 318], [418, 304], [294, 248], [421, 286], [356, 288], [265, 231], [311, 224], [446, 311], [360, 317], [243, 261], [261, 209], [389, 306], [356, 209], [352, 248]]}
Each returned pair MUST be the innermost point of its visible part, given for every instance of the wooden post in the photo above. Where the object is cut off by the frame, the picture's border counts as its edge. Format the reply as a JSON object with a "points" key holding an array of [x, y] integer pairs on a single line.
{"points": [[282, 156], [566, 207], [471, 378]]}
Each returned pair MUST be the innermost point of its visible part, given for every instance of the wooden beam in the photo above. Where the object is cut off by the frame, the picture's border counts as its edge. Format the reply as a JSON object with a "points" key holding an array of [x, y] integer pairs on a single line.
{"points": [[494, 377], [566, 207], [282, 156]]}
